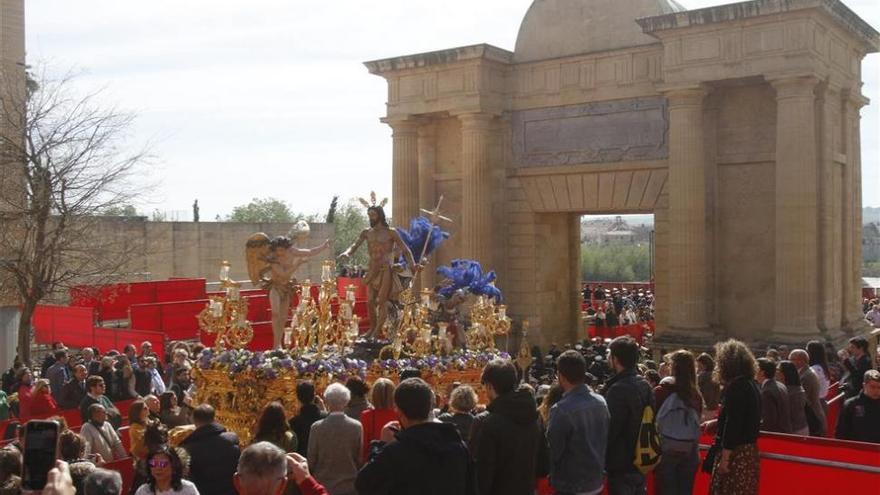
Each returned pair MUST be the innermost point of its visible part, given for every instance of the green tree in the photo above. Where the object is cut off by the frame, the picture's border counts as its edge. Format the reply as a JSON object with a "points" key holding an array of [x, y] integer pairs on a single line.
{"points": [[124, 210], [615, 263], [350, 220], [331, 213], [268, 210]]}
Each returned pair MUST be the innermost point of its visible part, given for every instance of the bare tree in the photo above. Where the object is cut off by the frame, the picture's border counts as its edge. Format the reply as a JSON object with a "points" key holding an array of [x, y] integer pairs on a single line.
{"points": [[64, 162]]}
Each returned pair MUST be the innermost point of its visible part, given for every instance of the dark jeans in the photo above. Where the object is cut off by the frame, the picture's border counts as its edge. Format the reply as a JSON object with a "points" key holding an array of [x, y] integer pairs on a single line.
{"points": [[632, 483], [675, 473]]}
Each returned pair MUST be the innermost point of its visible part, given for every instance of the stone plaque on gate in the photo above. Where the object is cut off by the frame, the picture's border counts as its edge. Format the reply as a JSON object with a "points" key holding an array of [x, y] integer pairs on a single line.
{"points": [[609, 131]]}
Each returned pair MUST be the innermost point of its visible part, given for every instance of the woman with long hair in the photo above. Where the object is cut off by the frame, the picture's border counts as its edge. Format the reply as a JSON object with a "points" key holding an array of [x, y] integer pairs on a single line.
{"points": [[42, 402], [25, 391], [710, 389], [373, 420], [358, 403], [733, 459], [272, 427], [679, 423], [787, 374], [819, 365], [165, 475], [139, 419], [170, 413]]}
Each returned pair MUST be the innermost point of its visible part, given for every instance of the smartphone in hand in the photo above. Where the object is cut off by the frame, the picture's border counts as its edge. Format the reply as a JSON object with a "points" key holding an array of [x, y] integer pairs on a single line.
{"points": [[40, 452]]}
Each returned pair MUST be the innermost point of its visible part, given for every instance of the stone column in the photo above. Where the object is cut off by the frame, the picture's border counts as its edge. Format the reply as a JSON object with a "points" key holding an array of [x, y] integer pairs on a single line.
{"points": [[427, 187], [405, 172], [852, 212], [476, 179], [796, 213], [687, 274]]}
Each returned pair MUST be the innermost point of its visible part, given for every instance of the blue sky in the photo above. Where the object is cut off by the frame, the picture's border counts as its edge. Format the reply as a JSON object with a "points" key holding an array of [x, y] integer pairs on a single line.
{"points": [[270, 97]]}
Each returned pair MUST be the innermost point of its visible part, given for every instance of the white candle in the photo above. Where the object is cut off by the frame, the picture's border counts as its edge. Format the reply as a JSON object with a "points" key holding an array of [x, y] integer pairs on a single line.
{"points": [[350, 293], [224, 271], [216, 309], [288, 336], [326, 271], [502, 311]]}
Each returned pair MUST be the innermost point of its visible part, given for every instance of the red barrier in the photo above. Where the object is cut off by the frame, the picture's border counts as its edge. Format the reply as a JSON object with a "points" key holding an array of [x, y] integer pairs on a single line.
{"points": [[125, 468], [834, 406], [111, 302], [176, 320], [62, 323], [635, 331]]}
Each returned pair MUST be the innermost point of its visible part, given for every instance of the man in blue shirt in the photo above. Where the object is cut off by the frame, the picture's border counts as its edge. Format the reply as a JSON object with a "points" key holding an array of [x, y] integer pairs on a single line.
{"points": [[577, 432]]}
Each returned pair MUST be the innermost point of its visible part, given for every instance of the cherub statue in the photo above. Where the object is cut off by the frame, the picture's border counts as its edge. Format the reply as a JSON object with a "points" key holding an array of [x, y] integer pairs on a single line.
{"points": [[272, 264]]}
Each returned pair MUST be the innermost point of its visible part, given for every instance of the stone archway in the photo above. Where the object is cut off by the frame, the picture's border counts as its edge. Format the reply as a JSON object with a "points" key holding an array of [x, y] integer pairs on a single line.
{"points": [[701, 118]]}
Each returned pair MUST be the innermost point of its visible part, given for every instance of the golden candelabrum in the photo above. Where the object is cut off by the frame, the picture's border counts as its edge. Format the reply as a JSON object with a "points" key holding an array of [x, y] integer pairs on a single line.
{"points": [[524, 356], [488, 321], [313, 325], [226, 316], [413, 332]]}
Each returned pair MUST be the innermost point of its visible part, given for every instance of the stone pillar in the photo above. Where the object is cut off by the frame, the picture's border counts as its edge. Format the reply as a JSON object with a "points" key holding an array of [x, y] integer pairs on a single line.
{"points": [[476, 179], [687, 274], [796, 214], [427, 188], [405, 172], [852, 212]]}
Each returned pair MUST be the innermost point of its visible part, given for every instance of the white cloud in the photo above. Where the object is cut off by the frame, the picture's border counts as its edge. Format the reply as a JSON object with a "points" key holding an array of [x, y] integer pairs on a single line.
{"points": [[269, 97]]}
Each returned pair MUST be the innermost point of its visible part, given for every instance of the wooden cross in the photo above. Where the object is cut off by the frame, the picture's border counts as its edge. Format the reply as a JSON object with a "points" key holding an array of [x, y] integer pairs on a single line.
{"points": [[433, 215]]}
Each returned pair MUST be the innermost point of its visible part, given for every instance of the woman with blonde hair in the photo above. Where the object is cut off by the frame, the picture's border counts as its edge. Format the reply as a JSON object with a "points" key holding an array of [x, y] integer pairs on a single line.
{"points": [[733, 459], [462, 403], [373, 420]]}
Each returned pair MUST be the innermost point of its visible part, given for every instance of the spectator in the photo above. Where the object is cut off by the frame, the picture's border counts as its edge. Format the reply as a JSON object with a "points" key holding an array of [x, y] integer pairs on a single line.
{"points": [[182, 382], [108, 373], [550, 398], [857, 362], [335, 444], [678, 420], [272, 427], [577, 431], [373, 420], [166, 475], [873, 316], [504, 438], [101, 436], [72, 448], [129, 352], [93, 366], [154, 406], [125, 380], [775, 413], [4, 407], [786, 373], [709, 388], [25, 390], [263, 469], [627, 395], [358, 402], [736, 466], [309, 413], [157, 384], [814, 410], [147, 350], [860, 416], [74, 390], [42, 402], [835, 367], [462, 402], [103, 482], [59, 373], [10, 471], [213, 452], [819, 365], [139, 419], [49, 360], [171, 414], [179, 360], [96, 387], [10, 378], [425, 457]]}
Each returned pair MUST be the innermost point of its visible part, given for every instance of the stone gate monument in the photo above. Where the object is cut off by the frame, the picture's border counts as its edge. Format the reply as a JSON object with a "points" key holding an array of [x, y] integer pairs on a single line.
{"points": [[737, 126]]}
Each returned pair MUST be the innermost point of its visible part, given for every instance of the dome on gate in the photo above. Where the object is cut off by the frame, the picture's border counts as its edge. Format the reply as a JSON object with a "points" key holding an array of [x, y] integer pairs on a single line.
{"points": [[560, 28]]}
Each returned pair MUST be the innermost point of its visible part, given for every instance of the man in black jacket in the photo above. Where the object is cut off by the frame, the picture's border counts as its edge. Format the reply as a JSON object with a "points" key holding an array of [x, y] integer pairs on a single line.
{"points": [[627, 395], [73, 392], [214, 454], [427, 458], [857, 363], [860, 417], [775, 411], [504, 438]]}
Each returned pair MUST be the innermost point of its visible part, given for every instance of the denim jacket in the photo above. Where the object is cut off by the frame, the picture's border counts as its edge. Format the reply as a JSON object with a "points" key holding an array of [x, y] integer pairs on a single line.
{"points": [[578, 434]]}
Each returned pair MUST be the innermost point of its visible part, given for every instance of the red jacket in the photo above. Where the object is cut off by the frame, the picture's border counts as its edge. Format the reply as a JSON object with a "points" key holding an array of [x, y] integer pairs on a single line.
{"points": [[373, 420], [311, 487], [42, 404], [25, 393]]}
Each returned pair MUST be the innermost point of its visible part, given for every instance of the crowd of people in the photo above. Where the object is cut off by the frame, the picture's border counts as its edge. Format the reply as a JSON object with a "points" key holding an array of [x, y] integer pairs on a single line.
{"points": [[576, 421], [606, 307]]}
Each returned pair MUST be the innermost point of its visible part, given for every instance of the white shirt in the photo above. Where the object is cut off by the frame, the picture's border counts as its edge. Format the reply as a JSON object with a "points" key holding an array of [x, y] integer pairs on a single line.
{"points": [[157, 384], [873, 317], [187, 488], [823, 380]]}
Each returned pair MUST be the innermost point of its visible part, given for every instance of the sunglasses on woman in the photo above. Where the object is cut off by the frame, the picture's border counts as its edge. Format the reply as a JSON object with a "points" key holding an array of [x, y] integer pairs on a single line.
{"points": [[159, 464]]}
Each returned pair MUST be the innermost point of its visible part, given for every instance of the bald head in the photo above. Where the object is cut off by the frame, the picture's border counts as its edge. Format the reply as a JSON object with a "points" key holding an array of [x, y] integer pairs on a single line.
{"points": [[800, 358]]}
